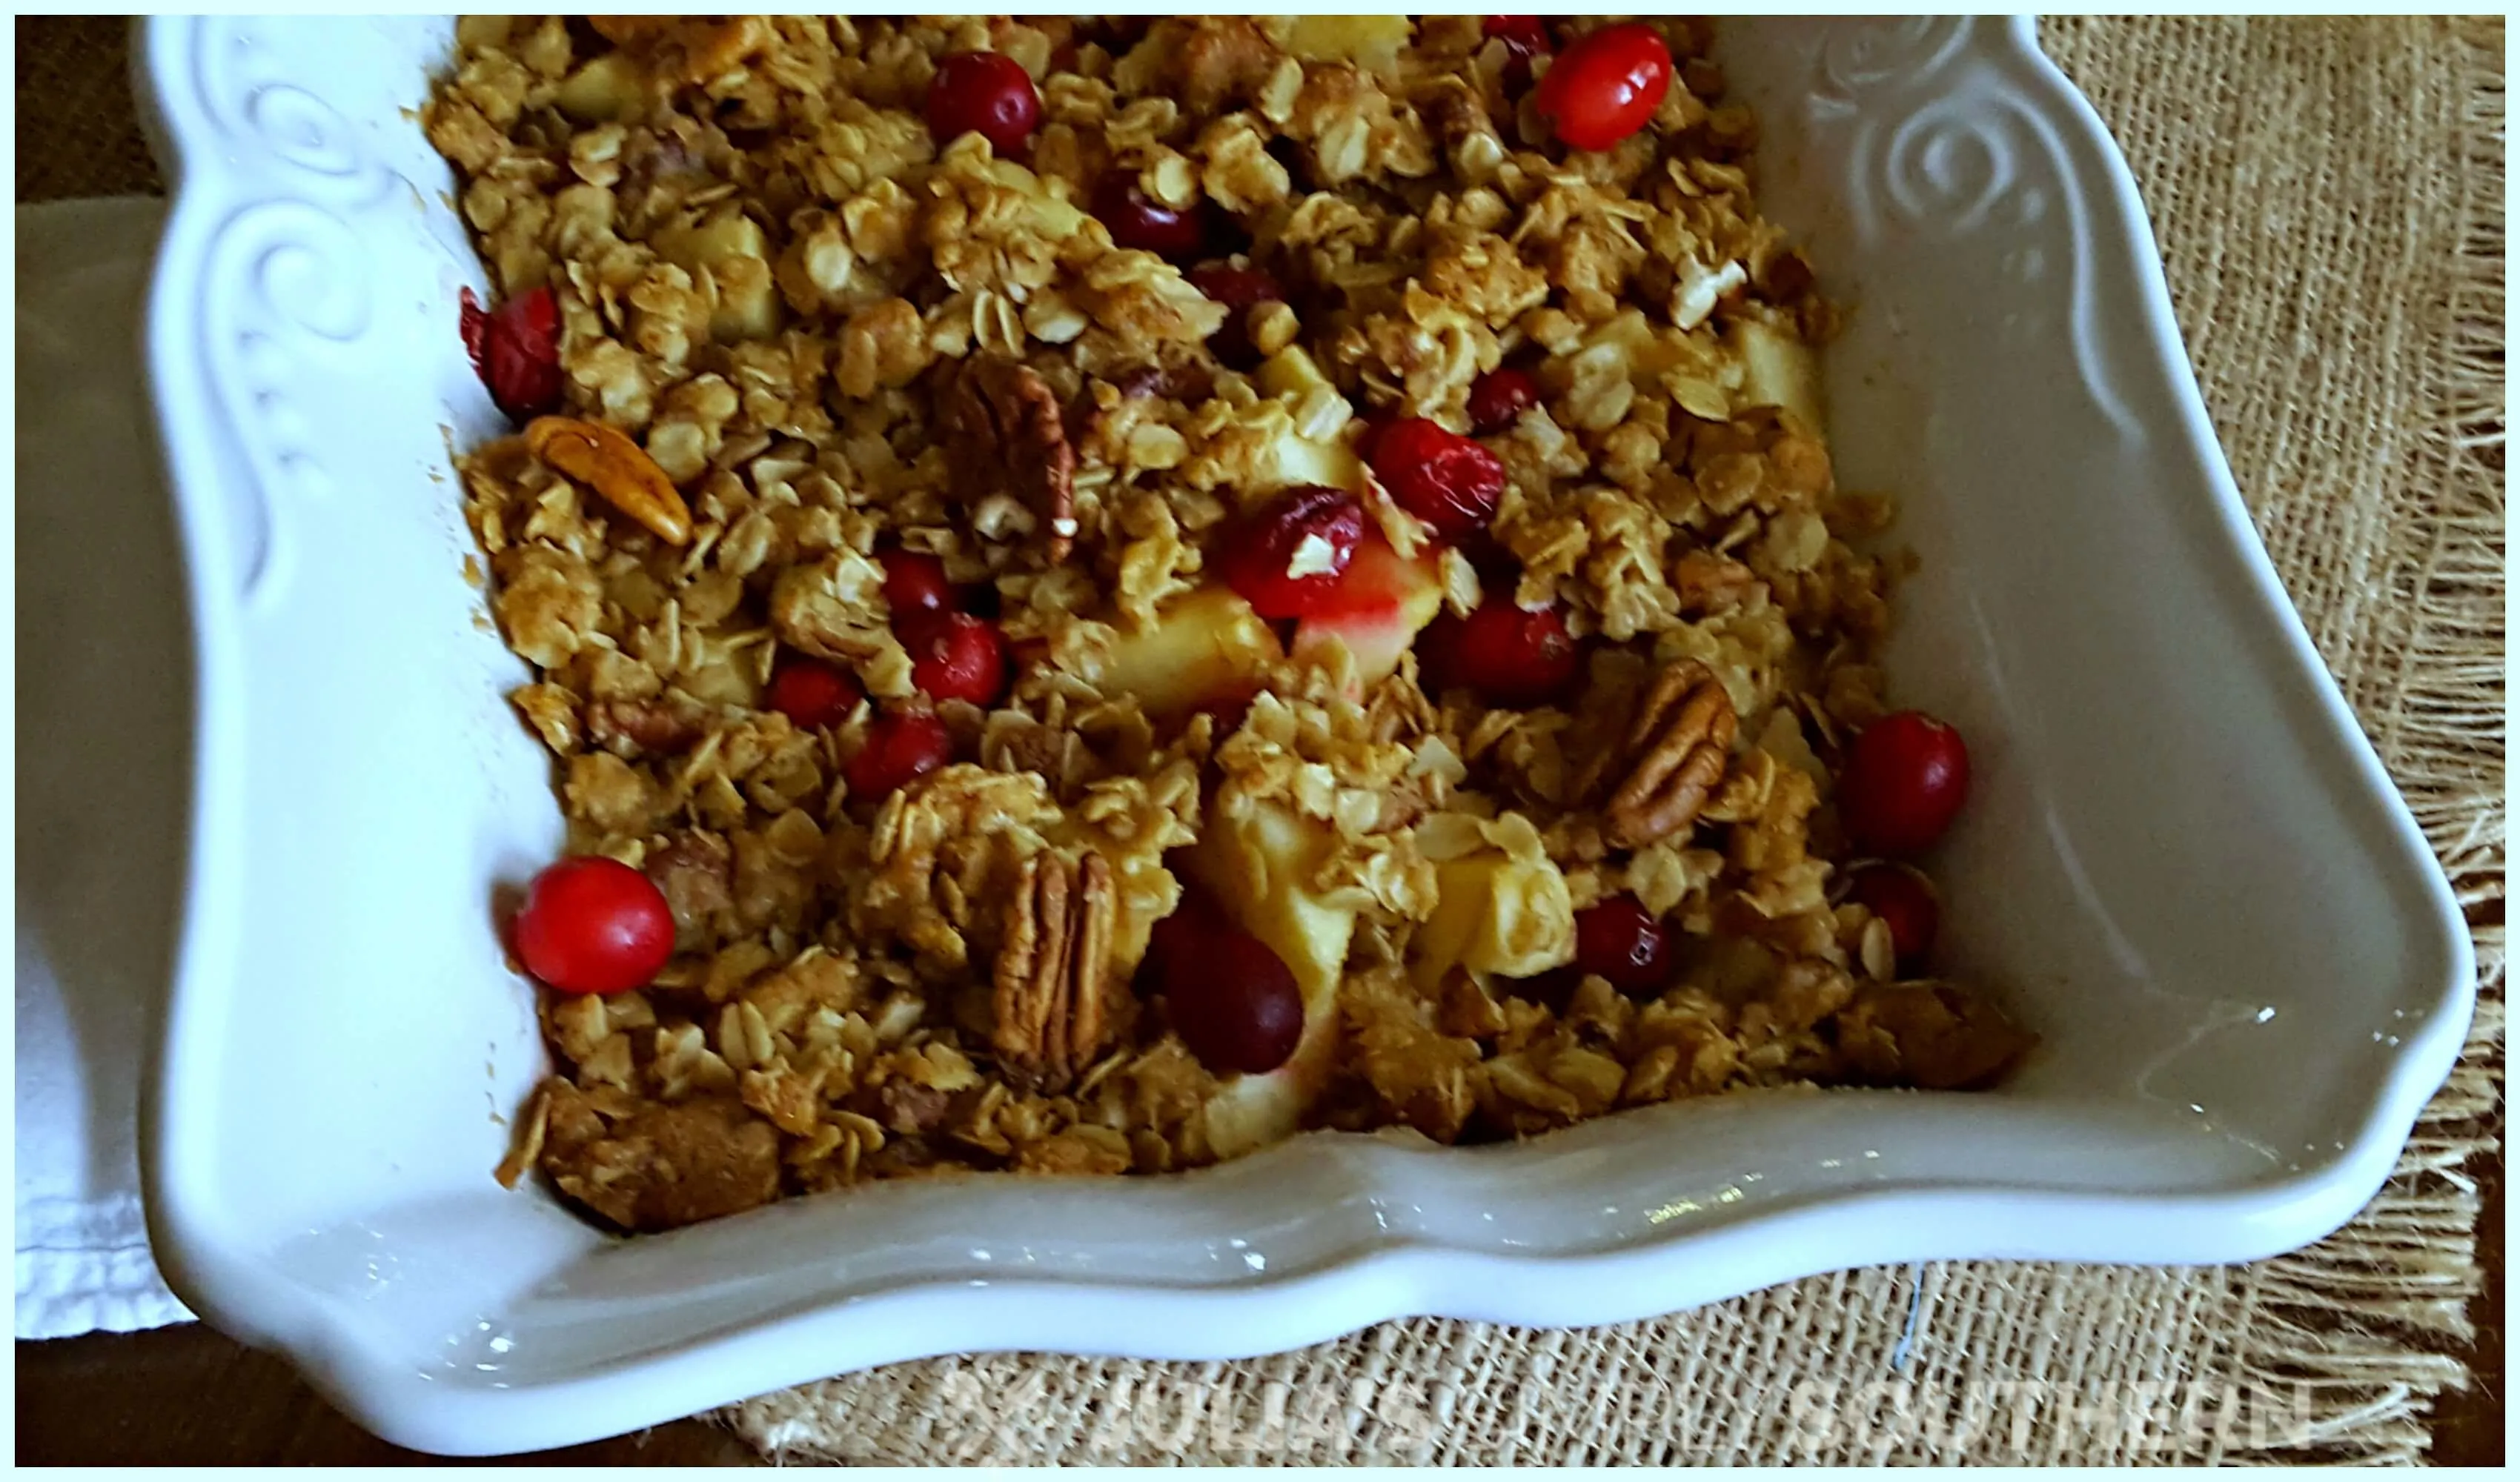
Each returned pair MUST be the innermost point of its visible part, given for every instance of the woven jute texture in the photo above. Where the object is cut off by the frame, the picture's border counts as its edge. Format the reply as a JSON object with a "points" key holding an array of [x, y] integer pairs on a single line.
{"points": [[2328, 195]]}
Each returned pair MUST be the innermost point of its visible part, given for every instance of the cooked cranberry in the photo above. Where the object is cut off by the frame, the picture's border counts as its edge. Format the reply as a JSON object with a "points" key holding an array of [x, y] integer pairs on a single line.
{"points": [[1440, 477], [1905, 779], [1499, 397], [984, 93], [1285, 558], [1234, 1003], [1182, 936], [1619, 939], [1138, 221], [1904, 900], [1607, 86], [1239, 290], [901, 746], [514, 349], [954, 656], [915, 582], [811, 693], [594, 925], [1510, 657], [1524, 37], [1369, 430]]}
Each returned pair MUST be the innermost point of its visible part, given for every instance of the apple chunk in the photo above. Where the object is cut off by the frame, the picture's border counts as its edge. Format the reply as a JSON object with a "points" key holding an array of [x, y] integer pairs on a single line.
{"points": [[1292, 378], [1254, 856], [1380, 605], [1777, 370], [1494, 915], [1208, 646]]}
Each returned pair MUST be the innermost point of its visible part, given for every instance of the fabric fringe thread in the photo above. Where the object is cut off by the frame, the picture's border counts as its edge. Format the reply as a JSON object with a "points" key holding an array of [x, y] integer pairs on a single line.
{"points": [[2361, 1318]]}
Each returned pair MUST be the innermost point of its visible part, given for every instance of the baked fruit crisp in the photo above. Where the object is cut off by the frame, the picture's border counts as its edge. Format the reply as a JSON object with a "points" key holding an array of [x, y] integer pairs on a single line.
{"points": [[1106, 591]]}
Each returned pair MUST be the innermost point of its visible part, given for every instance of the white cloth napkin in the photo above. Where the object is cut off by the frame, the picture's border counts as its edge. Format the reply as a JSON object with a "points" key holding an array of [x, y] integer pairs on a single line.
{"points": [[103, 766]]}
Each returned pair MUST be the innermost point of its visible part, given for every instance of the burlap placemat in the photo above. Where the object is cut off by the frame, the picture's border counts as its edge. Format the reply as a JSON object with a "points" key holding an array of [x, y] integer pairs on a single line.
{"points": [[2328, 194]]}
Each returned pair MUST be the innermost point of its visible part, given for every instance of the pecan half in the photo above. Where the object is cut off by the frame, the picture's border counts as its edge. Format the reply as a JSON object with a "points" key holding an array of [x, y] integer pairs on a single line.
{"points": [[629, 726], [696, 872], [1053, 991], [604, 459], [1007, 436], [1681, 741]]}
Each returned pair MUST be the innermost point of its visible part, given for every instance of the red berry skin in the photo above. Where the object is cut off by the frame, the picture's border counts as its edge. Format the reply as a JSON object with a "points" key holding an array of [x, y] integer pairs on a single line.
{"points": [[1180, 937], [811, 693], [1620, 940], [984, 93], [1499, 397], [954, 656], [593, 924], [1904, 782], [1311, 524], [915, 582], [1440, 477], [514, 349], [1138, 221], [1511, 658], [1904, 903], [901, 746], [1368, 434], [1239, 290], [1606, 86], [1234, 1003], [1524, 37]]}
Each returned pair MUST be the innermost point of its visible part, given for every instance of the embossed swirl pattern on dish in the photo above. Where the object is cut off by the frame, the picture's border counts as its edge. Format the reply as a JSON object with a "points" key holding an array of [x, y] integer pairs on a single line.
{"points": [[1939, 143], [284, 279]]}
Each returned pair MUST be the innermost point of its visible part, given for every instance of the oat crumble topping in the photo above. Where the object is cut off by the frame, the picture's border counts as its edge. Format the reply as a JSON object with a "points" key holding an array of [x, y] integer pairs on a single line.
{"points": [[917, 912]]}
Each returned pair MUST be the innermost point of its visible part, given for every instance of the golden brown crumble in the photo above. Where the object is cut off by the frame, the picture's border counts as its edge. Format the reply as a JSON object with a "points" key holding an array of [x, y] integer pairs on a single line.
{"points": [[819, 331]]}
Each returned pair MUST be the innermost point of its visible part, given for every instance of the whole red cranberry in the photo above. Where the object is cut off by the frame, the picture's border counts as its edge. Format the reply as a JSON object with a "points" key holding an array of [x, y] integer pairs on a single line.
{"points": [[1233, 1001], [1438, 475], [984, 93], [1285, 558], [1905, 901], [1499, 397], [901, 746], [1511, 658], [591, 925], [1138, 221], [811, 693], [1239, 290], [915, 582], [514, 349], [1607, 86], [954, 656], [1180, 938], [1904, 782], [1620, 940]]}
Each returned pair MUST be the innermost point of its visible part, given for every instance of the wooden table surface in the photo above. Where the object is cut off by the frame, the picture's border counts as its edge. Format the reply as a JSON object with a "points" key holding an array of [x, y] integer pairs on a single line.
{"points": [[188, 1395]]}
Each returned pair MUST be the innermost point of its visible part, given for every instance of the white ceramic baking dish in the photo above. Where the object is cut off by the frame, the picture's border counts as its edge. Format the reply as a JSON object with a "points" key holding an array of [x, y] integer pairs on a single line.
{"points": [[2183, 859]]}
